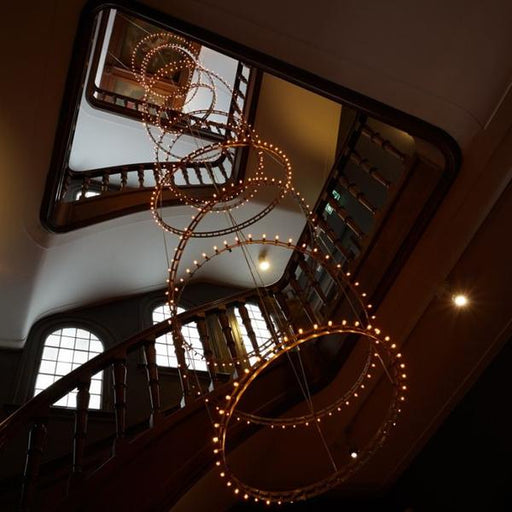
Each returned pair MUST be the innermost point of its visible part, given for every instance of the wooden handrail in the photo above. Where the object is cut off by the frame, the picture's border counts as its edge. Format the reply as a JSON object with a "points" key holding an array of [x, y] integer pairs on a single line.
{"points": [[99, 180], [38, 405]]}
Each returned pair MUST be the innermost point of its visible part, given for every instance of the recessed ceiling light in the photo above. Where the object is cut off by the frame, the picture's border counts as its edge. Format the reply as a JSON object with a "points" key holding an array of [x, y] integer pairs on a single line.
{"points": [[460, 300], [263, 262]]}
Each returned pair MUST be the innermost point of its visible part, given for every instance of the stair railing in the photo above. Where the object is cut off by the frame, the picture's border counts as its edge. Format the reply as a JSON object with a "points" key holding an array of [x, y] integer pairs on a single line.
{"points": [[348, 216]]}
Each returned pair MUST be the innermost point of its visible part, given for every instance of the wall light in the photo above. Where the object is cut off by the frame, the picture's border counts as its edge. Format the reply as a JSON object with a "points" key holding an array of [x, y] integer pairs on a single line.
{"points": [[460, 300]]}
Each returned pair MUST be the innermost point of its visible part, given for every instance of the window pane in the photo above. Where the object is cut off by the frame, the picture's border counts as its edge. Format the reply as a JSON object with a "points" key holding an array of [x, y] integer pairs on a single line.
{"points": [[67, 342], [61, 357], [50, 353], [80, 357], [47, 367], [82, 344], [95, 402], [65, 355], [53, 340], [63, 368]]}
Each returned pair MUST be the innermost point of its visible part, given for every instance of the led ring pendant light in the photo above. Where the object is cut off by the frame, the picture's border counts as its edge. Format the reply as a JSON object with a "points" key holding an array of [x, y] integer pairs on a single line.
{"points": [[166, 126]]}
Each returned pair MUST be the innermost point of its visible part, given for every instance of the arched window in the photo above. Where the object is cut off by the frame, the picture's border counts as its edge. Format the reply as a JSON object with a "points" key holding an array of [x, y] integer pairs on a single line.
{"points": [[259, 326], [63, 351], [165, 353]]}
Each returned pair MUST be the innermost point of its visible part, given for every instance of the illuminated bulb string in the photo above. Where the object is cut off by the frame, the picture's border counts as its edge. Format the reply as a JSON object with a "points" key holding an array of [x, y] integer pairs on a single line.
{"points": [[172, 126]]}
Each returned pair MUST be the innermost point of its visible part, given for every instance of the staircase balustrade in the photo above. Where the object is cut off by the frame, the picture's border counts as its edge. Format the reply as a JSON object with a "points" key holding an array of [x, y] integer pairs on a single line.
{"points": [[306, 295]]}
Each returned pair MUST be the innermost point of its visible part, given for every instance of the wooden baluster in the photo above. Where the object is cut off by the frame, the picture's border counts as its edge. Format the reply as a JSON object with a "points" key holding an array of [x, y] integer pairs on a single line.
{"points": [[198, 173], [36, 444], [85, 186], [307, 270], [334, 238], [105, 182], [248, 327], [230, 155], [124, 177], [286, 319], [185, 173], [65, 184], [119, 379], [263, 305], [153, 382], [156, 175], [223, 171], [357, 194], [385, 144], [80, 434], [305, 304], [228, 335], [140, 174], [365, 165], [209, 355], [345, 217], [186, 384]]}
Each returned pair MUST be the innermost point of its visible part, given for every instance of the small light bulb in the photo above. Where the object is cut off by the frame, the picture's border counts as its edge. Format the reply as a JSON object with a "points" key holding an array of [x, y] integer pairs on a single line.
{"points": [[460, 300], [353, 454]]}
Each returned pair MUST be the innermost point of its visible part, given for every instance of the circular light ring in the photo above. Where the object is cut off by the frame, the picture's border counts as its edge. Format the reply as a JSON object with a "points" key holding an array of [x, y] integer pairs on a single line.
{"points": [[194, 65], [180, 90], [337, 406], [235, 191], [226, 414], [248, 141], [223, 195], [167, 103], [176, 287], [141, 72], [233, 130]]}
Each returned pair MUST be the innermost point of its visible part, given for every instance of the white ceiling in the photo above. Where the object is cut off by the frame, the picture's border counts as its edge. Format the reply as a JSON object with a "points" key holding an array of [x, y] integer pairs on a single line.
{"points": [[451, 69]]}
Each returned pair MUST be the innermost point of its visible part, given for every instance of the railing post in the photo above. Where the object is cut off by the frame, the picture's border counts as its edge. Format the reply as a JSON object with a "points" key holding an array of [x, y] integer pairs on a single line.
{"points": [[85, 186], [228, 337], [357, 194], [36, 444], [124, 177], [153, 381], [345, 217], [80, 434], [305, 304], [186, 385], [244, 314], [208, 352], [286, 319], [385, 144], [140, 174], [303, 264], [268, 319], [65, 184], [372, 171], [105, 182], [119, 372]]}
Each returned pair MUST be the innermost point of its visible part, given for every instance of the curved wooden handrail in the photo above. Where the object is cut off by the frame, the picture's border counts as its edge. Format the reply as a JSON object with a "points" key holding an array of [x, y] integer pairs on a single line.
{"points": [[146, 166]]}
